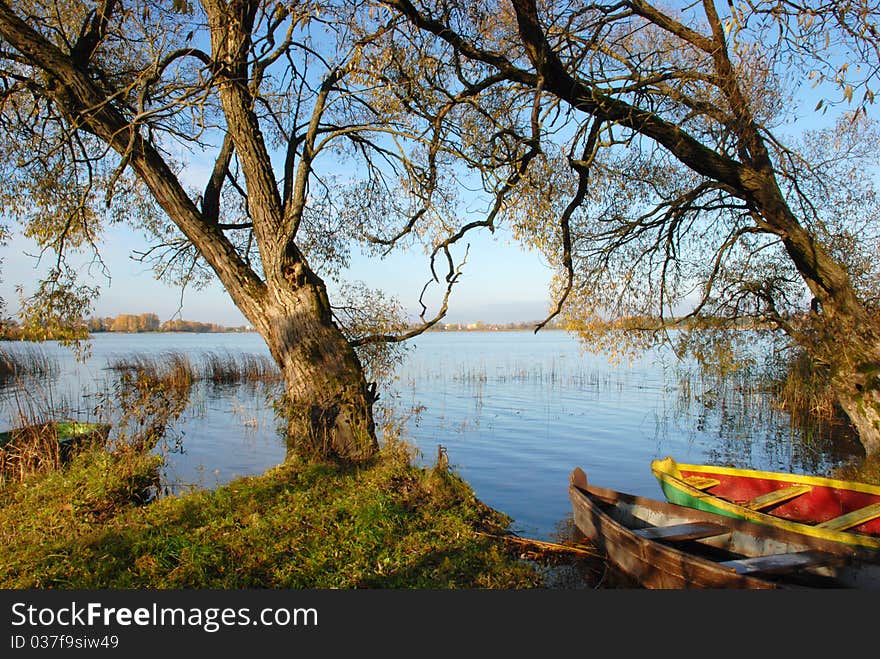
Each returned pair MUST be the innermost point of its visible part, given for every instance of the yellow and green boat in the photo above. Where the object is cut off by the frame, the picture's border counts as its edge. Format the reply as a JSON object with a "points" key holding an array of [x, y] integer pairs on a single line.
{"points": [[839, 510]]}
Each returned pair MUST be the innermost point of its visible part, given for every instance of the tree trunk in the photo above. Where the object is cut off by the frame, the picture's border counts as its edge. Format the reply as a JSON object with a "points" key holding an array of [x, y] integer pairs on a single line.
{"points": [[844, 335], [862, 405], [328, 403], [855, 362]]}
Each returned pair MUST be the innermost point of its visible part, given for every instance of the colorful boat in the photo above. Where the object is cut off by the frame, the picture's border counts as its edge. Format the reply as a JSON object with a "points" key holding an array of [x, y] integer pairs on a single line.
{"points": [[843, 511], [662, 545]]}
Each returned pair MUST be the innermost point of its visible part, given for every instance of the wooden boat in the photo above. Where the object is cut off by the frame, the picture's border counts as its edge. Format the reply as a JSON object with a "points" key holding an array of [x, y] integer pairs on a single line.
{"points": [[69, 434], [663, 545], [843, 511]]}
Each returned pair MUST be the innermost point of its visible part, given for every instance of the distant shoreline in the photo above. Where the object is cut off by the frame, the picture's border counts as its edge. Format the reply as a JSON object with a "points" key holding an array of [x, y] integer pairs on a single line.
{"points": [[428, 331], [149, 323]]}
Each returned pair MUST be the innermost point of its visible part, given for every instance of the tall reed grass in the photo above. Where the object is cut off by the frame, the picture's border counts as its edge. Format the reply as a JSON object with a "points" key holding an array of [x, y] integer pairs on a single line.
{"points": [[29, 361], [526, 373], [231, 368], [144, 406], [802, 389], [768, 404], [177, 369], [28, 450], [170, 369], [151, 392]]}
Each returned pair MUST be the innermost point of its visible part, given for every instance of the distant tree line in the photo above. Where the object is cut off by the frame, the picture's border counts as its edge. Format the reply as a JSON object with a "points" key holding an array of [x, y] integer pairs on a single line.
{"points": [[482, 326], [629, 323], [149, 322], [144, 322]]}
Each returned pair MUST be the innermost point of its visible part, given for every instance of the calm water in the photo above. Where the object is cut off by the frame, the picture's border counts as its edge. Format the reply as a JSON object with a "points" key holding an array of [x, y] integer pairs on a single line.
{"points": [[514, 411]]}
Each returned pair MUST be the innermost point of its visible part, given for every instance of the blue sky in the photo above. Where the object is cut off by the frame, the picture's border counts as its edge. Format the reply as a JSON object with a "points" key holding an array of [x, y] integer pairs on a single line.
{"points": [[500, 282]]}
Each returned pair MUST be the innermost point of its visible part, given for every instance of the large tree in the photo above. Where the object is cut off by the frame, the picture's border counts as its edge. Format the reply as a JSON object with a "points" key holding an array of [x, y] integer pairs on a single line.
{"points": [[660, 160], [110, 110]]}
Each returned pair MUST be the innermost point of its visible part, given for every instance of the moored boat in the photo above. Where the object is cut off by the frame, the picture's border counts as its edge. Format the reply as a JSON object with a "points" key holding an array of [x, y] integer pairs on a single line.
{"points": [[842, 511], [663, 545]]}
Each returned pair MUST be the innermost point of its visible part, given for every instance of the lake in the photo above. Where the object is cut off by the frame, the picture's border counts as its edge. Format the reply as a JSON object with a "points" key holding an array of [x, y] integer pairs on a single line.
{"points": [[515, 412]]}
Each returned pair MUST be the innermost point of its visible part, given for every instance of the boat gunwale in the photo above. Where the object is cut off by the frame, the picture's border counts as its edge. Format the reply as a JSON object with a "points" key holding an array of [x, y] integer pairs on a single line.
{"points": [[731, 509], [806, 479]]}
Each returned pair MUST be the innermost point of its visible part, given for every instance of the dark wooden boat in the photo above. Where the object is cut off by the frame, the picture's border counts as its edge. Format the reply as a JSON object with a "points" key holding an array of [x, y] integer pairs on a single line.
{"points": [[833, 509], [664, 545]]}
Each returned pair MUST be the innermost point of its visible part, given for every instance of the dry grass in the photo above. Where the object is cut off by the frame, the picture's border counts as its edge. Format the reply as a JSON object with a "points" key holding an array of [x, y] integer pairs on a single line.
{"points": [[30, 361], [171, 369], [38, 447], [233, 368], [803, 391], [29, 450], [178, 370]]}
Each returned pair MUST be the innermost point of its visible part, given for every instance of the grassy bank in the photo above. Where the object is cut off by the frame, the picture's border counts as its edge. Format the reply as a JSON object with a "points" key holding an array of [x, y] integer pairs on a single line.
{"points": [[385, 525]]}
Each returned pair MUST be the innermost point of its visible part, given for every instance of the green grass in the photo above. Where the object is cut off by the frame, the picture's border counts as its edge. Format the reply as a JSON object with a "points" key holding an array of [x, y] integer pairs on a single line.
{"points": [[385, 525]]}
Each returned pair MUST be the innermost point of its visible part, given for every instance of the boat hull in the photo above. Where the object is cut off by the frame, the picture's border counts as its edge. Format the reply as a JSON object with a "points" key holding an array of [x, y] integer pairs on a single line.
{"points": [[612, 521]]}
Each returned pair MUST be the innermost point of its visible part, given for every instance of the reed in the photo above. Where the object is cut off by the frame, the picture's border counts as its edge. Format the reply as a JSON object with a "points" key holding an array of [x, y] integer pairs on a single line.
{"points": [[31, 449], [170, 369], [29, 361], [765, 406], [801, 389], [144, 409], [177, 369], [232, 368], [518, 373]]}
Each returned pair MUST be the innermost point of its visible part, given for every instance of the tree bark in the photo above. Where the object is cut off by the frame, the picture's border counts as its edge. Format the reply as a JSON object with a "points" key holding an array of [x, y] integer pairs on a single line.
{"points": [[850, 348], [861, 403], [328, 403], [844, 337]]}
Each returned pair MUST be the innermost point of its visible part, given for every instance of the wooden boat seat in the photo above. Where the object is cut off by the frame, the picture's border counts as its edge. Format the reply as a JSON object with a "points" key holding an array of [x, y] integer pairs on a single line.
{"points": [[701, 482], [777, 497], [677, 532], [783, 562], [852, 518]]}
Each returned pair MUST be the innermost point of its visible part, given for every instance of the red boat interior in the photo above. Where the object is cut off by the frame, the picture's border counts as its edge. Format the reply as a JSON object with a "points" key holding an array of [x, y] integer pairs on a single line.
{"points": [[813, 504]]}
